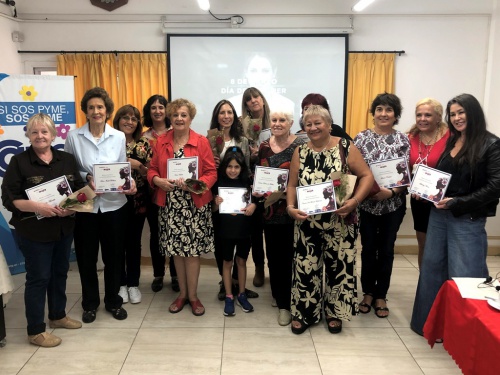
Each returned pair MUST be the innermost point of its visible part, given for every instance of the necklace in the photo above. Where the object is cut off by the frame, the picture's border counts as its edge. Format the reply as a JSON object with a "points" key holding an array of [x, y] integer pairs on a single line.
{"points": [[324, 148], [428, 147]]}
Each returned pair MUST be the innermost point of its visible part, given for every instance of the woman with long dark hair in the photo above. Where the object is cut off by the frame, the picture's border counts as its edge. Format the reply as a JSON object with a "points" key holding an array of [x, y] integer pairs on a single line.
{"points": [[456, 244]]}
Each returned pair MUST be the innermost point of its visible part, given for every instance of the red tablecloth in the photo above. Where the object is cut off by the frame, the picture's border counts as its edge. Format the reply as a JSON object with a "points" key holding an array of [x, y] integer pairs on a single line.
{"points": [[470, 329]]}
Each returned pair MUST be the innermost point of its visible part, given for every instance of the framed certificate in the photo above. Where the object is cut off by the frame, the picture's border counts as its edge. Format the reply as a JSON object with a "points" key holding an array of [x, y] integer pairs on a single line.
{"points": [[430, 183], [112, 177], [317, 199], [234, 199], [182, 168], [391, 173], [51, 192], [267, 180]]}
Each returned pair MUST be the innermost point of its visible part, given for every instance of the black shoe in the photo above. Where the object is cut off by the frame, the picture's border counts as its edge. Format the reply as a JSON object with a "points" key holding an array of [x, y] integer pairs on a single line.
{"points": [[89, 316], [175, 284], [157, 284], [119, 313], [221, 296]]}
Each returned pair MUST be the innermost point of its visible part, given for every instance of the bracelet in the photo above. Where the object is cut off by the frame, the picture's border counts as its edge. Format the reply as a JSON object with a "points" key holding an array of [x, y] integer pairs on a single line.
{"points": [[356, 199]]}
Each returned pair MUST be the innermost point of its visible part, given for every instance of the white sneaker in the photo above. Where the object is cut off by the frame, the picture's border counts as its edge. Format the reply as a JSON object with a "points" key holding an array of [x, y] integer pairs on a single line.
{"points": [[134, 294], [274, 303], [284, 317], [123, 293]]}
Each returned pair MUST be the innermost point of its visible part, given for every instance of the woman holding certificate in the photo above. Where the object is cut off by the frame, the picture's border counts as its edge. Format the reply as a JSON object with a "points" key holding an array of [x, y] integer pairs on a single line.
{"points": [[457, 244], [92, 144], [277, 152], [427, 142], [255, 119], [157, 122], [185, 220], [382, 215], [327, 238], [45, 243]]}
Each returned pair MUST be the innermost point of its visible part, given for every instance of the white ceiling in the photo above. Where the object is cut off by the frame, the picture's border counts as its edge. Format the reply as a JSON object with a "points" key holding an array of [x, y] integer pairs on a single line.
{"points": [[83, 8]]}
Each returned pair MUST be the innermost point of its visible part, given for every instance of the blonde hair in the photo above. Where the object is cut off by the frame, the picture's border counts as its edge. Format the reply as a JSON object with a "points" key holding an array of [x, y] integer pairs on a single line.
{"points": [[317, 110], [43, 119], [436, 106], [173, 106]]}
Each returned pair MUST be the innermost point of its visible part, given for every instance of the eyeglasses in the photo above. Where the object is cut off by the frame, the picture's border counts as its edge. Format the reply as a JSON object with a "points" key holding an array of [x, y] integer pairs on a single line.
{"points": [[128, 118]]}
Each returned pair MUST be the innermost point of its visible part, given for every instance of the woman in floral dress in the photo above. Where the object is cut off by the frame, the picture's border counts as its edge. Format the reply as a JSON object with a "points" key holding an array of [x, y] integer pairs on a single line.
{"points": [[326, 240]]}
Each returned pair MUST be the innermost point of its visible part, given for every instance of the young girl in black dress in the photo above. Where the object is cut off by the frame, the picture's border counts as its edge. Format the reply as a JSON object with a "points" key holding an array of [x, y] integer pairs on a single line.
{"points": [[235, 229]]}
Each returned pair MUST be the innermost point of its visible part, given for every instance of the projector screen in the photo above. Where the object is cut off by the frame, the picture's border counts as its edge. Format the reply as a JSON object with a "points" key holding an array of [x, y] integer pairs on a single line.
{"points": [[208, 68]]}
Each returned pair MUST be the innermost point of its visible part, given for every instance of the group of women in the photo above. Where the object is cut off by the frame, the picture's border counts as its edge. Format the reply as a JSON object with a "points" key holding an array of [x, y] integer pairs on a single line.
{"points": [[303, 251]]}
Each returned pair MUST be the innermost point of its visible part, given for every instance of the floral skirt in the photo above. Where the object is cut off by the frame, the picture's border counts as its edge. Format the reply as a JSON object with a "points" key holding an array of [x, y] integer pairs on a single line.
{"points": [[185, 230]]}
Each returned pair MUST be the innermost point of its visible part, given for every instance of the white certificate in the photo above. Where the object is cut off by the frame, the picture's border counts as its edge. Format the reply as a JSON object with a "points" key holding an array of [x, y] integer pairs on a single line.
{"points": [[264, 135], [112, 177], [316, 199], [51, 192], [182, 168], [391, 173], [267, 180], [234, 200], [430, 183]]}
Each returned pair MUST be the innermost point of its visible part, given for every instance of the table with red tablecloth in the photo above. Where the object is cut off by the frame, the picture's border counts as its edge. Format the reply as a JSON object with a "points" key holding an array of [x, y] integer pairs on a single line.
{"points": [[470, 330]]}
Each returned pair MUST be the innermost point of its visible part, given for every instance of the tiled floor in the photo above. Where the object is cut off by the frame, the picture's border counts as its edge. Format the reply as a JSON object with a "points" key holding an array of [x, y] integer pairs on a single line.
{"points": [[153, 341]]}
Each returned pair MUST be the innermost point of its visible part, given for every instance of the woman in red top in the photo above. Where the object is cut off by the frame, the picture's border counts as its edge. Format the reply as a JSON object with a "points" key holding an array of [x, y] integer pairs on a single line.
{"points": [[185, 220], [428, 138]]}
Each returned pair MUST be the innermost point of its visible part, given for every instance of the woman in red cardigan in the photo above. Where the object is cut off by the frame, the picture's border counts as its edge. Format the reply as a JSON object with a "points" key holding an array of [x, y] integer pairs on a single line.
{"points": [[185, 220]]}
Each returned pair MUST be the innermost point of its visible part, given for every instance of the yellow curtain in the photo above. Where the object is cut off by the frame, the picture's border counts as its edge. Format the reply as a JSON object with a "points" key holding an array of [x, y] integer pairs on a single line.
{"points": [[140, 76], [369, 74], [90, 70]]}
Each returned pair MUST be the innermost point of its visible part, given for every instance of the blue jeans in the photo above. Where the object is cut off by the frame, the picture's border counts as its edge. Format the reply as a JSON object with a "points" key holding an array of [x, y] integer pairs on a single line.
{"points": [[378, 235], [47, 265], [454, 247]]}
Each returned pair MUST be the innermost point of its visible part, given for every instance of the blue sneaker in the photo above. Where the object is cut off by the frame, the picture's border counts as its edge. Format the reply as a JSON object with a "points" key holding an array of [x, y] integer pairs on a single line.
{"points": [[229, 307], [243, 302]]}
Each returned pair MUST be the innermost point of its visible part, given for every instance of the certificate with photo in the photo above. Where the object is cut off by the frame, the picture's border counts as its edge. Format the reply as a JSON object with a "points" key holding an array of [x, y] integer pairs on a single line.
{"points": [[267, 180], [182, 168], [112, 177], [391, 173], [51, 192], [430, 183], [234, 200], [316, 199]]}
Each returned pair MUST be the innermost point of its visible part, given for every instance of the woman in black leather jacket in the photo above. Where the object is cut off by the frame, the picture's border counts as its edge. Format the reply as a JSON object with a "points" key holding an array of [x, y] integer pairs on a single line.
{"points": [[456, 244]]}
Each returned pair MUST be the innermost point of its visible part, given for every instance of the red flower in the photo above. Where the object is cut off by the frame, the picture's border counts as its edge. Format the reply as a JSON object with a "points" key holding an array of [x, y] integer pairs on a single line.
{"points": [[81, 197], [219, 140], [256, 128], [336, 183]]}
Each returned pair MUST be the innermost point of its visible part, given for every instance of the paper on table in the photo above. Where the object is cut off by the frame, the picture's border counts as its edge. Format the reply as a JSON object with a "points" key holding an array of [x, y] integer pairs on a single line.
{"points": [[468, 287]]}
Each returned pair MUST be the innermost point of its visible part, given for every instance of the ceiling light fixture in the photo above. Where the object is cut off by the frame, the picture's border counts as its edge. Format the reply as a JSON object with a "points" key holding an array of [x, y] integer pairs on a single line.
{"points": [[204, 4], [361, 5]]}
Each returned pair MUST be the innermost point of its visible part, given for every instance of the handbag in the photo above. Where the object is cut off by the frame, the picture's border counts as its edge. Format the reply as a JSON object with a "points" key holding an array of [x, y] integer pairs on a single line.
{"points": [[344, 153]]}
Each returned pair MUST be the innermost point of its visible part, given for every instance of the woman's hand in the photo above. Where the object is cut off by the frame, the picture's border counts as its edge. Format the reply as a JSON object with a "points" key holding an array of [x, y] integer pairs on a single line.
{"points": [[416, 196], [441, 205], [348, 206], [250, 209], [181, 184], [63, 212], [132, 190], [296, 214], [135, 164], [217, 161], [90, 180], [164, 183], [46, 210], [218, 200], [384, 193]]}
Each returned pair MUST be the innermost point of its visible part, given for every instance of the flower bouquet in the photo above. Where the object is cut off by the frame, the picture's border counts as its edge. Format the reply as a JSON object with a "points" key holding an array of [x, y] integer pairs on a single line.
{"points": [[216, 139], [343, 184], [254, 129], [196, 186], [81, 200], [273, 197]]}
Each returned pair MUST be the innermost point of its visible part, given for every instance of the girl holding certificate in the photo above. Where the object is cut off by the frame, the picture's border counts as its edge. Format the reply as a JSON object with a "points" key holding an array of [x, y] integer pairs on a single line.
{"points": [[157, 122], [427, 142], [45, 243], [235, 229], [456, 243], [278, 226], [185, 219], [325, 240], [382, 215]]}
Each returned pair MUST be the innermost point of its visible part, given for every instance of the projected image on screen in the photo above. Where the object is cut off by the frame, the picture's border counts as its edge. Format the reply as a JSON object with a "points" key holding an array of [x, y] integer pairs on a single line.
{"points": [[208, 68]]}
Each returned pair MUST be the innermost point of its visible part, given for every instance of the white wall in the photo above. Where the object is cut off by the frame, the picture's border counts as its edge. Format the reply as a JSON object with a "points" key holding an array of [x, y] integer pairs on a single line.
{"points": [[445, 56], [10, 60]]}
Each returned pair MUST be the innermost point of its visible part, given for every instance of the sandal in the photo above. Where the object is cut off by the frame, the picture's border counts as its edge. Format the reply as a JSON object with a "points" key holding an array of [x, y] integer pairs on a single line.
{"points": [[197, 308], [301, 329], [365, 305], [177, 305], [379, 309], [337, 325]]}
